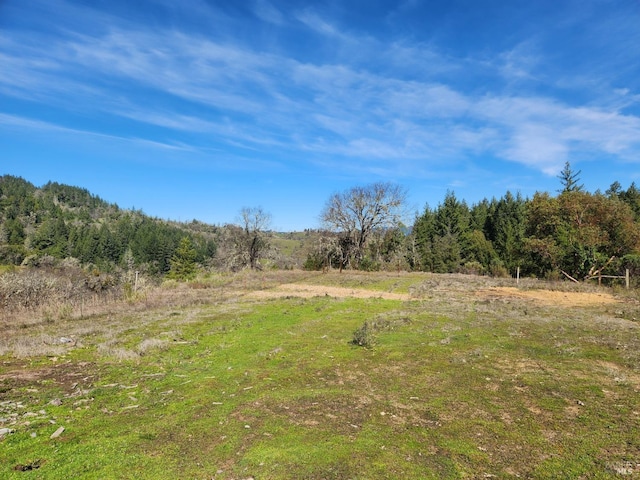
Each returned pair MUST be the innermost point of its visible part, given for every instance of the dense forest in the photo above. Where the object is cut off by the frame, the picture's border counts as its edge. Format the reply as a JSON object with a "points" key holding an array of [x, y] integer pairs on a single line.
{"points": [[573, 234], [576, 234], [59, 221]]}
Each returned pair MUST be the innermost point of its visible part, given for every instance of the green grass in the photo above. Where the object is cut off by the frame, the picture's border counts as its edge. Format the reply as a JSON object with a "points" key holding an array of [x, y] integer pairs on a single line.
{"points": [[239, 388], [6, 268], [385, 282]]}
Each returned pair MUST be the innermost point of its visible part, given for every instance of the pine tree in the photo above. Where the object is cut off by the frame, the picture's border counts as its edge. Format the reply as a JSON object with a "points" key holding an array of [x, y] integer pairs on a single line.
{"points": [[183, 262], [570, 180]]}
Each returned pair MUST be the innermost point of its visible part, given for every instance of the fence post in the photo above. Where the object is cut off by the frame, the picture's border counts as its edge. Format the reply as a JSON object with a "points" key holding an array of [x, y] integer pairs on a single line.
{"points": [[626, 278], [518, 276]]}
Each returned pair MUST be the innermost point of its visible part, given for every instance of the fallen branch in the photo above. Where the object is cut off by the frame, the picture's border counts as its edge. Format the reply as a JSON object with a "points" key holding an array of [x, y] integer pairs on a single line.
{"points": [[569, 276]]}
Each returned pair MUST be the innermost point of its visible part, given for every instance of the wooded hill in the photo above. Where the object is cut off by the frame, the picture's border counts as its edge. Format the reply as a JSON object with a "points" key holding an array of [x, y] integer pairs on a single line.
{"points": [[62, 221]]}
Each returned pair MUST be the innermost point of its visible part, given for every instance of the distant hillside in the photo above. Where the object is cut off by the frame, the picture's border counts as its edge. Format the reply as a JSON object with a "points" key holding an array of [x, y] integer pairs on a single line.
{"points": [[63, 221]]}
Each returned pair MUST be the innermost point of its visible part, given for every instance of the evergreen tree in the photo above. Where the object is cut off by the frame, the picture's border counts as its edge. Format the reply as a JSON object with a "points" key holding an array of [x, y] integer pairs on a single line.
{"points": [[506, 227], [570, 180], [631, 197], [451, 229], [422, 233], [108, 246], [15, 233], [614, 190], [183, 262]]}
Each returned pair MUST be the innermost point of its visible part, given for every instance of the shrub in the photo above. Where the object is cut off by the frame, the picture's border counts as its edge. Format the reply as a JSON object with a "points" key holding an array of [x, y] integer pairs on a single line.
{"points": [[26, 290], [369, 265], [313, 262], [498, 270], [472, 268], [364, 336], [58, 289]]}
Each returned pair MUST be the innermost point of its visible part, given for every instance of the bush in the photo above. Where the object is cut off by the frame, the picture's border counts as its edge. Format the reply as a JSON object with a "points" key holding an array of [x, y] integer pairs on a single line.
{"points": [[26, 290], [369, 265], [313, 262], [12, 254], [32, 288], [363, 336], [472, 268], [498, 270]]}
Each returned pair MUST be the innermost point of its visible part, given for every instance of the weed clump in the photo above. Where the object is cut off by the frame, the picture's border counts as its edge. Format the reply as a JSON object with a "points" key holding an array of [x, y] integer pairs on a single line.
{"points": [[364, 336]]}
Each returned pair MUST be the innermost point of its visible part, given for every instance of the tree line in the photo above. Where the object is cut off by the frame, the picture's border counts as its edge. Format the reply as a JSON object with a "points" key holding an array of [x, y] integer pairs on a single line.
{"points": [[574, 233]]}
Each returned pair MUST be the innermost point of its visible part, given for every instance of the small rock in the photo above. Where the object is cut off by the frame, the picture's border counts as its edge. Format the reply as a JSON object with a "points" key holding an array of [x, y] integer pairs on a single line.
{"points": [[581, 403], [57, 433], [55, 402], [6, 431]]}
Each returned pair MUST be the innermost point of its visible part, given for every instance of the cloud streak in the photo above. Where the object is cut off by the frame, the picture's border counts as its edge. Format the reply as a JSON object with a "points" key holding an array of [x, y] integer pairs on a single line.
{"points": [[218, 90]]}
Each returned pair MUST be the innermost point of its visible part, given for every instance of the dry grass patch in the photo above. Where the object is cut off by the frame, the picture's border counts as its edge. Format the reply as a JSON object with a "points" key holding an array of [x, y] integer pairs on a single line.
{"points": [[551, 297], [310, 291]]}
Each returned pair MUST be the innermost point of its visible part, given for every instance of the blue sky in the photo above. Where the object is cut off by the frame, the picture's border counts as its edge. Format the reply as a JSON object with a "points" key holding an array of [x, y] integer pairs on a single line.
{"points": [[197, 108]]}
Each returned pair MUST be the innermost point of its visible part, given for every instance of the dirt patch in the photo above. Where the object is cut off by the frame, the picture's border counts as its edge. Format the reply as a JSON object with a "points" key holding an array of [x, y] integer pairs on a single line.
{"points": [[67, 375], [550, 297], [547, 297], [309, 291]]}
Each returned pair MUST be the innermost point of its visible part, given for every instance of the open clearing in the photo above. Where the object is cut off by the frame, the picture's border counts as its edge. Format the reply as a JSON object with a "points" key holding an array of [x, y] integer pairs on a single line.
{"points": [[255, 376], [310, 291], [565, 299]]}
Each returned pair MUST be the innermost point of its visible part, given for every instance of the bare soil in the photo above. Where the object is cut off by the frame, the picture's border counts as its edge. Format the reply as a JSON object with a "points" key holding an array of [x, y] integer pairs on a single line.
{"points": [[551, 297], [547, 297]]}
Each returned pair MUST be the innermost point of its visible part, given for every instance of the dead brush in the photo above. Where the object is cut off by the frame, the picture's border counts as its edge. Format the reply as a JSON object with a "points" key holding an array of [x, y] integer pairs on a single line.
{"points": [[33, 346], [365, 335], [150, 344], [27, 289]]}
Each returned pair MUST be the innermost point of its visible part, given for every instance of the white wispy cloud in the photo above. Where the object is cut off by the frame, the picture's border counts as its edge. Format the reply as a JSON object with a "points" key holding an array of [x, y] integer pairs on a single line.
{"points": [[317, 23], [13, 121], [402, 102], [269, 13]]}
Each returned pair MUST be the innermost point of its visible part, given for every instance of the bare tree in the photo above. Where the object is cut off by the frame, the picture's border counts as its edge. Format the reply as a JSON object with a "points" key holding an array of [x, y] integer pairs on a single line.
{"points": [[326, 251], [246, 242], [360, 211], [253, 241]]}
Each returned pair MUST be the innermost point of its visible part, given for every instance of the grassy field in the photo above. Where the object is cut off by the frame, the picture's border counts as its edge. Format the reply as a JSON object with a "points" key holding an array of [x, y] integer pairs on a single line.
{"points": [[256, 376]]}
